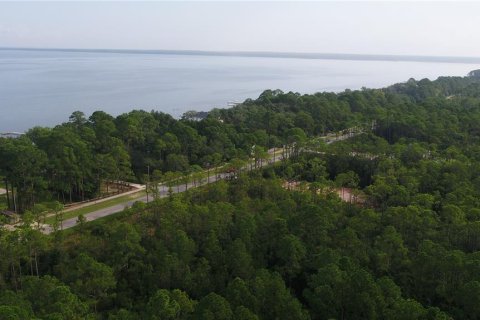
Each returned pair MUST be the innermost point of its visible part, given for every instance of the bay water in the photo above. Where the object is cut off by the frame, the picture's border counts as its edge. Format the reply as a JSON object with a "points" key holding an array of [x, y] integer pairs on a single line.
{"points": [[42, 88]]}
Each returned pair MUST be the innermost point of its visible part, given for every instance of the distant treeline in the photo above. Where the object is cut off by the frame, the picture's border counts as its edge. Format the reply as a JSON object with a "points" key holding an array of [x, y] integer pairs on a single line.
{"points": [[70, 161]]}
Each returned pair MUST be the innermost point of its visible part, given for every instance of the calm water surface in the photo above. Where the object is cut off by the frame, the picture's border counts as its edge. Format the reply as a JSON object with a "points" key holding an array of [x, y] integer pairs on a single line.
{"points": [[45, 87]]}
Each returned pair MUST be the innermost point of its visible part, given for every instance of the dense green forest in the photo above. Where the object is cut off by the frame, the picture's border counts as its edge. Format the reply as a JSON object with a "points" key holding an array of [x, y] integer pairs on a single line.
{"points": [[70, 161], [249, 248]]}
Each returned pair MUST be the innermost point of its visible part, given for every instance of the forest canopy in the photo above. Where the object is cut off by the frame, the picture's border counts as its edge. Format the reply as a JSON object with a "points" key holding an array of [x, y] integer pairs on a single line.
{"points": [[250, 248]]}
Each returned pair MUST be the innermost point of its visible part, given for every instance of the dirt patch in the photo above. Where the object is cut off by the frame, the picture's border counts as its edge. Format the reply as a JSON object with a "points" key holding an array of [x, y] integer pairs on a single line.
{"points": [[345, 194], [291, 185], [350, 195]]}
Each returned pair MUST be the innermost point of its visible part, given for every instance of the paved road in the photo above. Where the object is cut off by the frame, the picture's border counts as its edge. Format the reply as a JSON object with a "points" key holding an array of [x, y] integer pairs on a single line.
{"points": [[68, 223]]}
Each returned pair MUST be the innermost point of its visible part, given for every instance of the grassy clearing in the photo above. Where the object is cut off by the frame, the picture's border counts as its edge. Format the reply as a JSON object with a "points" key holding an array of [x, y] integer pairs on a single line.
{"points": [[98, 206]]}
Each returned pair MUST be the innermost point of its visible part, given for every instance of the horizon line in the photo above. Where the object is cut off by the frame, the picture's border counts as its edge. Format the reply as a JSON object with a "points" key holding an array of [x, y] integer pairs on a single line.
{"points": [[269, 54]]}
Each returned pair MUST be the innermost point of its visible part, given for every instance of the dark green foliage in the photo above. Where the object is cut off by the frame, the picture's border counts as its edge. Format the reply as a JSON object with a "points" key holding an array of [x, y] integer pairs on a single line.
{"points": [[45, 297], [248, 248], [71, 161], [213, 307]]}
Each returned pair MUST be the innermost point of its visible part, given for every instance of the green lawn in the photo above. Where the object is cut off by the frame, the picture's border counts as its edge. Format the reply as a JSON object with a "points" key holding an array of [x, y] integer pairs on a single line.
{"points": [[98, 206]]}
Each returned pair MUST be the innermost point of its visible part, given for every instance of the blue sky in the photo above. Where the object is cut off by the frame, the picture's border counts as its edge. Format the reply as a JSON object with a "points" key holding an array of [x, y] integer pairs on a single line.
{"points": [[416, 28]]}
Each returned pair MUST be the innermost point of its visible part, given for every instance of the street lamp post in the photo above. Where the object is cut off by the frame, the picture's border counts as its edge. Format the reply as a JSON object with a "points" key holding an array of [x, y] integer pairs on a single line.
{"points": [[148, 180]]}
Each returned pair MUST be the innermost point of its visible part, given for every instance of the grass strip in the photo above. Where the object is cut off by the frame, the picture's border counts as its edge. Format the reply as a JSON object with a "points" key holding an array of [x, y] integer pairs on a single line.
{"points": [[119, 200], [98, 206]]}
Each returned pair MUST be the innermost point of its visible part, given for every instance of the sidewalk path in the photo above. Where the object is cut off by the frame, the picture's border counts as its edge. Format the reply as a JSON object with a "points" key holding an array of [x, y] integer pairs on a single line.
{"points": [[138, 188], [69, 223]]}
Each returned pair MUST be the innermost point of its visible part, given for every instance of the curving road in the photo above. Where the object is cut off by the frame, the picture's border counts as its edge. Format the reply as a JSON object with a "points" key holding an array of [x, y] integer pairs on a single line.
{"points": [[69, 223]]}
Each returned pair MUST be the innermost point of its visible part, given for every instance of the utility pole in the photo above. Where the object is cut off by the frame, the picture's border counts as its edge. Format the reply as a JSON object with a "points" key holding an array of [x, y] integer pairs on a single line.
{"points": [[14, 201], [148, 180], [208, 172]]}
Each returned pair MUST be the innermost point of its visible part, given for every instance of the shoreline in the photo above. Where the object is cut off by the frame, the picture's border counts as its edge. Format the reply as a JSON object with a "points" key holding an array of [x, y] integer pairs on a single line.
{"points": [[214, 87], [268, 54]]}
